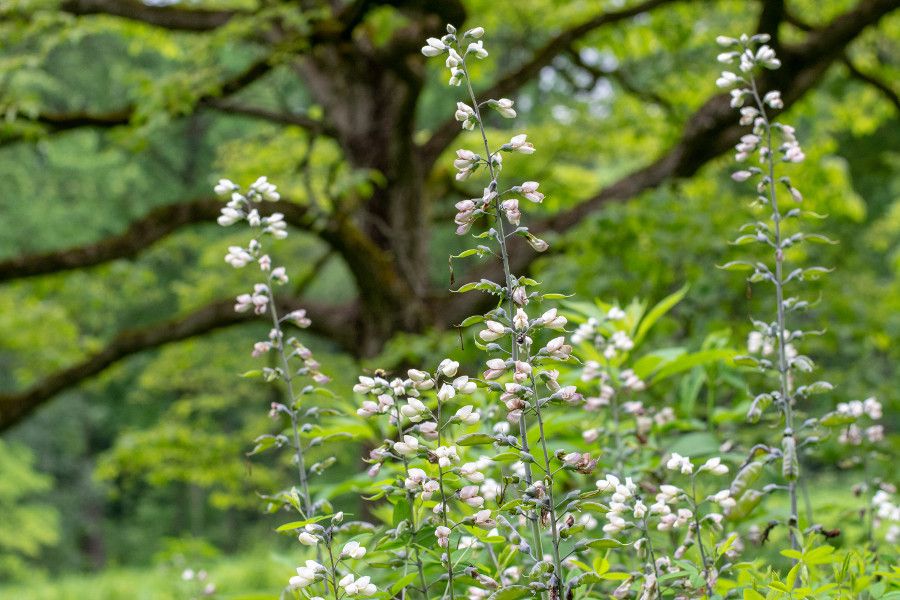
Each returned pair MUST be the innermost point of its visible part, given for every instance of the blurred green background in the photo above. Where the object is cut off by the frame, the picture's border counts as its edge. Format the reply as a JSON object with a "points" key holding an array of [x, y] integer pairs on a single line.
{"points": [[139, 472]]}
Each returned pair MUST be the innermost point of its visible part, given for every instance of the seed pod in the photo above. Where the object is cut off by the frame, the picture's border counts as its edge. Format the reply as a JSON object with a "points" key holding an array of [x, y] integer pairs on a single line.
{"points": [[748, 501], [748, 474], [790, 468], [758, 406]]}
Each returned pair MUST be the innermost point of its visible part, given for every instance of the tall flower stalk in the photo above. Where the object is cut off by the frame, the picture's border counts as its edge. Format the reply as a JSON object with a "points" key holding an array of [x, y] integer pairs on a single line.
{"points": [[773, 143], [294, 360]]}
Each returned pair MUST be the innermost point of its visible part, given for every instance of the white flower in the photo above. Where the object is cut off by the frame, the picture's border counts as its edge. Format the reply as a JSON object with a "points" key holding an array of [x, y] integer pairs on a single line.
{"points": [[520, 320], [238, 257], [723, 498], [615, 524], [429, 430], [261, 189], [872, 408], [225, 187], [728, 79], [511, 210], [443, 536], [448, 367], [529, 191], [483, 519], [465, 114], [475, 33], [681, 463], [773, 99], [464, 386], [353, 586], [519, 143], [504, 106], [429, 488], [446, 392], [493, 332], [609, 483], [279, 274], [715, 466], [477, 48], [467, 415], [307, 539], [557, 348], [412, 410], [469, 495], [353, 550], [407, 447], [306, 575], [436, 43], [229, 216], [453, 59], [446, 455], [470, 471], [496, 368], [552, 320], [465, 160], [640, 509], [766, 57]]}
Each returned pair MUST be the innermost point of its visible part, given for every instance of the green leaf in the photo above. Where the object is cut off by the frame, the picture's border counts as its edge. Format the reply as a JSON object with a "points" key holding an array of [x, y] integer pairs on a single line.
{"points": [[299, 524], [736, 265], [472, 320], [511, 593], [475, 439], [694, 444], [403, 582], [818, 238], [601, 543], [836, 419], [402, 512], [468, 287], [694, 359], [586, 579], [657, 312]]}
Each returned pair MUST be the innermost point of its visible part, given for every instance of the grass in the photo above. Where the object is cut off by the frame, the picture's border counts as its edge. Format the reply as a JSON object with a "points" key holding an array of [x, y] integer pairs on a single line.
{"points": [[250, 577]]}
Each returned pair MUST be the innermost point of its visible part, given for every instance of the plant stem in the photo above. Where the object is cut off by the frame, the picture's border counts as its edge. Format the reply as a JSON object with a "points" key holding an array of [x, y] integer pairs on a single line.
{"points": [[617, 433], [553, 525], [504, 253], [412, 515], [334, 586], [706, 566], [294, 412], [783, 368], [444, 512], [651, 554], [289, 380]]}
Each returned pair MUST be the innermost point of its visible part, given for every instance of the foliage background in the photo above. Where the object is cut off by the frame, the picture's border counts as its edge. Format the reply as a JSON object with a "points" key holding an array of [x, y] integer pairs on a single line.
{"points": [[142, 468]]}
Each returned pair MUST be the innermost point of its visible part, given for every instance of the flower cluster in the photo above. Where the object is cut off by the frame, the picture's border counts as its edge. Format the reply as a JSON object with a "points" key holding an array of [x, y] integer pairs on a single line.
{"points": [[474, 491]]}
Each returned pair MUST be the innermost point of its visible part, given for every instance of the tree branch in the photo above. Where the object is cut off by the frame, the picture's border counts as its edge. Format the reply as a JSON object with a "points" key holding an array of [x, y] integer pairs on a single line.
{"points": [[170, 17], [57, 122], [331, 321], [886, 90], [154, 226], [297, 119], [445, 133], [710, 132]]}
